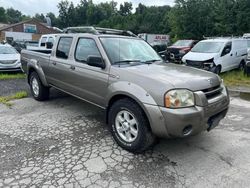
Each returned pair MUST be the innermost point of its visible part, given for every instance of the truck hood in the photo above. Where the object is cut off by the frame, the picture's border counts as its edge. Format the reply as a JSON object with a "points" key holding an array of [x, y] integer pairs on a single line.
{"points": [[179, 76], [195, 56], [4, 57]]}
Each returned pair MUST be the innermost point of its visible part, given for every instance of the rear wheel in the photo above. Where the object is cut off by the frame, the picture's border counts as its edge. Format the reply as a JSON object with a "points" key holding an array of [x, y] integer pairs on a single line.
{"points": [[38, 90], [129, 126]]}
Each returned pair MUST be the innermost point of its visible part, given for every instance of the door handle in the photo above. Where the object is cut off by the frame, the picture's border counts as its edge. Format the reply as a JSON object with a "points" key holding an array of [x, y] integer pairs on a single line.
{"points": [[72, 67], [54, 63]]}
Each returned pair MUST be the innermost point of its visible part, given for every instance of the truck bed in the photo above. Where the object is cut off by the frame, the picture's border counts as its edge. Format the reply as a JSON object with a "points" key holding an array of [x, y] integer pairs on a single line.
{"points": [[28, 56]]}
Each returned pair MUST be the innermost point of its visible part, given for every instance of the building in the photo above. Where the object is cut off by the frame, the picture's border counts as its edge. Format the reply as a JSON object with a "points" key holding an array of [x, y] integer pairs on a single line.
{"points": [[27, 30]]}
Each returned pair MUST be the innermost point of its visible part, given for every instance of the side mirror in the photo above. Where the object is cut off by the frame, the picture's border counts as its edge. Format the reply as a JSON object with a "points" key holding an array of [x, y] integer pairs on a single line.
{"points": [[96, 61], [49, 45]]}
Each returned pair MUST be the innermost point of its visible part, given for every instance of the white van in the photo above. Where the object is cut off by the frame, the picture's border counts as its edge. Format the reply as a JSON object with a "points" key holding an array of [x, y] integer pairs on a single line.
{"points": [[218, 55]]}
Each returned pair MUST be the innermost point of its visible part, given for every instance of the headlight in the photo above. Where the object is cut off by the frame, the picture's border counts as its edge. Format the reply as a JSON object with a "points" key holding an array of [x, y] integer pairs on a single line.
{"points": [[180, 98], [209, 64], [248, 55]]}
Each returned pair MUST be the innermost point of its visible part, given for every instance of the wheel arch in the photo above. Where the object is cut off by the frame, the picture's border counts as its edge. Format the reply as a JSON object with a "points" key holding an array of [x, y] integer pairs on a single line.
{"points": [[34, 66], [120, 96], [124, 89]]}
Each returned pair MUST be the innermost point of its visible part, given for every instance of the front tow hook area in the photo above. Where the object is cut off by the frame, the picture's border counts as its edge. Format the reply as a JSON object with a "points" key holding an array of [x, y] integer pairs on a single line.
{"points": [[215, 120]]}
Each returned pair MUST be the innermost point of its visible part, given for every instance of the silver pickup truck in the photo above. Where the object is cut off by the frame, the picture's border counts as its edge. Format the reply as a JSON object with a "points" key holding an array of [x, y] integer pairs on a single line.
{"points": [[143, 96]]}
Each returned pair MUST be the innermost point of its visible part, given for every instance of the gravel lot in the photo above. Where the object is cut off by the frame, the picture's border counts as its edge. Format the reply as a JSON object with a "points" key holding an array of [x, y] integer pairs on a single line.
{"points": [[65, 142]]}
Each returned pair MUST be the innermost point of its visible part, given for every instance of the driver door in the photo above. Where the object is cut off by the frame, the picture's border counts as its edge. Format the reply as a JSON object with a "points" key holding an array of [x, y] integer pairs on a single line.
{"points": [[227, 59]]}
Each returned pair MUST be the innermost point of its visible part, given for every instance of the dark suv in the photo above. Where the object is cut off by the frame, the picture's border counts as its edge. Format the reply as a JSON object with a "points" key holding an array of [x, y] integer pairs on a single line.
{"points": [[179, 49]]}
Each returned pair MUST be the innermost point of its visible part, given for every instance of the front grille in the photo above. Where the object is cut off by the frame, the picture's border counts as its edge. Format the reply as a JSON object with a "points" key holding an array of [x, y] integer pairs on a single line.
{"points": [[7, 62], [174, 51], [196, 64], [213, 92]]}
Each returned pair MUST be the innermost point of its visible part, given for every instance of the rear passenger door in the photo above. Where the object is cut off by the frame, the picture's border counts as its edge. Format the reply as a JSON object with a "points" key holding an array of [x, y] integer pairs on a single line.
{"points": [[90, 82], [59, 73]]}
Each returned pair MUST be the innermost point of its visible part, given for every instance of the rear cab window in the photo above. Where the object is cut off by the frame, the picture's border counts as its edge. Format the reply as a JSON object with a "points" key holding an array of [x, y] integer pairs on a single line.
{"points": [[43, 41], [51, 39], [63, 47]]}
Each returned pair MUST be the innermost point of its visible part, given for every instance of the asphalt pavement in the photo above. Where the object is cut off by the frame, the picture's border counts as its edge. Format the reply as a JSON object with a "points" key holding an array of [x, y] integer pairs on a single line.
{"points": [[65, 142], [12, 86]]}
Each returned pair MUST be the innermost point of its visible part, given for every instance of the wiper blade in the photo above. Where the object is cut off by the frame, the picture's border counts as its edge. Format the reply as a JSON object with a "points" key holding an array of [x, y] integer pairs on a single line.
{"points": [[126, 61], [151, 61]]}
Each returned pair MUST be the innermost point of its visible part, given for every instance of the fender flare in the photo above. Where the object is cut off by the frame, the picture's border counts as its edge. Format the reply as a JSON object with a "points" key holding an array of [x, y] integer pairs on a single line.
{"points": [[143, 99], [34, 64]]}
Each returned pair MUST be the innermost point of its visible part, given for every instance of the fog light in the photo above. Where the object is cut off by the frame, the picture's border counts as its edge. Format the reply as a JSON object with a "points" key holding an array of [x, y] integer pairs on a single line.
{"points": [[187, 130]]}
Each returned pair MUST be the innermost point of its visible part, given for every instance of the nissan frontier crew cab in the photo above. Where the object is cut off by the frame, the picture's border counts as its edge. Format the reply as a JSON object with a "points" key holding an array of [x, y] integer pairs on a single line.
{"points": [[143, 96]]}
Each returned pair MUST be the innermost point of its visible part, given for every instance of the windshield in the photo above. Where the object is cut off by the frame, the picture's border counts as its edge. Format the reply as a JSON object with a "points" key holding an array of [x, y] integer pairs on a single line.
{"points": [[7, 50], [208, 47], [129, 49], [183, 43]]}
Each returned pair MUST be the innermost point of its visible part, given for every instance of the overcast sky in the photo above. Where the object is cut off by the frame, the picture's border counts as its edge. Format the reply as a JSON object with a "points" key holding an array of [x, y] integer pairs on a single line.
{"points": [[30, 7]]}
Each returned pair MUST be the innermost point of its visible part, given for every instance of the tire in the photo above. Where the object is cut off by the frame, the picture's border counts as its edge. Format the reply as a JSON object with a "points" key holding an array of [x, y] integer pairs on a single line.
{"points": [[242, 65], [123, 110], [216, 69], [38, 90]]}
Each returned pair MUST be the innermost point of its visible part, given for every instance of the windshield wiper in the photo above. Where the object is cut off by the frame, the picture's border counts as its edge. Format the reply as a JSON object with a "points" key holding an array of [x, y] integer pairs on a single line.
{"points": [[151, 61], [126, 62]]}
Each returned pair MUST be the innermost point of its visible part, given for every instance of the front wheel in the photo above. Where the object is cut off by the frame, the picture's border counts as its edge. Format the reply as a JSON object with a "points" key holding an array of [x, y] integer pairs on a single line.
{"points": [[38, 90], [129, 126]]}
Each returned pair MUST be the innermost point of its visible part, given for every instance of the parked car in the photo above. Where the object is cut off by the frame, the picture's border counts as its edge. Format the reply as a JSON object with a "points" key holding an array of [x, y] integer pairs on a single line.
{"points": [[143, 96], [179, 49], [217, 55], [9, 58], [18, 45]]}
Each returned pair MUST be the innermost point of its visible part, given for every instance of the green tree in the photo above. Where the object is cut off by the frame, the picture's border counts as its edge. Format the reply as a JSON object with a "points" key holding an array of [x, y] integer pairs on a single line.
{"points": [[13, 16], [3, 17]]}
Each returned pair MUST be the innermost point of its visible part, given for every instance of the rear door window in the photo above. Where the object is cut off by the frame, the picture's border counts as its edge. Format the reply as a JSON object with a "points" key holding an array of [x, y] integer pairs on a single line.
{"points": [[86, 47], [63, 47]]}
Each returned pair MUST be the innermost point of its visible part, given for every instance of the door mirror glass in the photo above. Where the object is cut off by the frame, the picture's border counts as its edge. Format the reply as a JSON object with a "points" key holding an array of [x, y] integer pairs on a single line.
{"points": [[96, 61], [49, 45]]}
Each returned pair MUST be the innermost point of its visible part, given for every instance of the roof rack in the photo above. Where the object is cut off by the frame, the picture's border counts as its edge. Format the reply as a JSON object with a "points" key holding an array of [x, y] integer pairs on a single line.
{"points": [[98, 31]]}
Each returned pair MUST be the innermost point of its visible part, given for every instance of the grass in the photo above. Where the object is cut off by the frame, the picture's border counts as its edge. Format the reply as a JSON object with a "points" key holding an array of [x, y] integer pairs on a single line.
{"points": [[6, 99], [5, 76], [235, 78]]}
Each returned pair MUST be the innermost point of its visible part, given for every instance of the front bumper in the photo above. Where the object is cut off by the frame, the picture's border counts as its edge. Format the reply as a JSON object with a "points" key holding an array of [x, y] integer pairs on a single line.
{"points": [[10, 68], [171, 123]]}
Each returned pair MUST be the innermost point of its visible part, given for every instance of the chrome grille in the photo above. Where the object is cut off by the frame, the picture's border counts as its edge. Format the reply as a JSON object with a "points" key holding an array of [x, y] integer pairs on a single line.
{"points": [[7, 62]]}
